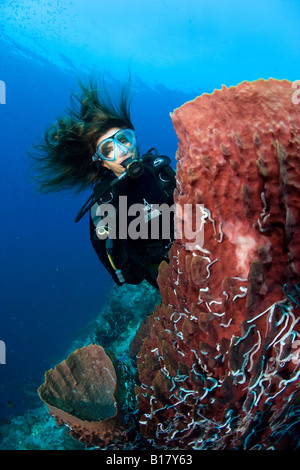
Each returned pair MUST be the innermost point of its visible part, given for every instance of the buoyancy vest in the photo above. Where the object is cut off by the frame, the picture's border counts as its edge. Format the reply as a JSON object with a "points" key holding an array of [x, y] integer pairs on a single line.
{"points": [[128, 260]]}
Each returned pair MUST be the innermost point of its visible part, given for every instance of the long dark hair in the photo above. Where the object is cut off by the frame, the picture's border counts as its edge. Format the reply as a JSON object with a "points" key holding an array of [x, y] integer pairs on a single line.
{"points": [[63, 160]]}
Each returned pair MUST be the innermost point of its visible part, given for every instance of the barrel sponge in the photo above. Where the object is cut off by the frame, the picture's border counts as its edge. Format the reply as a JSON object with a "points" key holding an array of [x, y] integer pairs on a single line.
{"points": [[79, 393], [218, 368]]}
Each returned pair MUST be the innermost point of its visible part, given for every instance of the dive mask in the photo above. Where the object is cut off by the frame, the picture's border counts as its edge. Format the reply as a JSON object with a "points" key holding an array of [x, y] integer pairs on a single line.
{"points": [[118, 144]]}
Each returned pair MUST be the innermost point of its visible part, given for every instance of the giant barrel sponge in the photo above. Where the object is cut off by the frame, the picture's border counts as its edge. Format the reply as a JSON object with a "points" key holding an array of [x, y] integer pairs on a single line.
{"points": [[80, 394], [220, 368]]}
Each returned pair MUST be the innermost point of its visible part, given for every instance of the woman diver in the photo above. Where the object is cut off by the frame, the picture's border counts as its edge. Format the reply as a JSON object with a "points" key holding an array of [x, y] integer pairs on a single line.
{"points": [[94, 145]]}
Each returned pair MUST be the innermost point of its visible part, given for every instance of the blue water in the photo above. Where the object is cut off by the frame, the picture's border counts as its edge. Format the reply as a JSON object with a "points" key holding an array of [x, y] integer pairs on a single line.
{"points": [[52, 284]]}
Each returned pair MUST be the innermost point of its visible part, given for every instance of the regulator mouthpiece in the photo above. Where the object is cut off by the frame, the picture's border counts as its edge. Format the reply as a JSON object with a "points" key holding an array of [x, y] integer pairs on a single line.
{"points": [[134, 168]]}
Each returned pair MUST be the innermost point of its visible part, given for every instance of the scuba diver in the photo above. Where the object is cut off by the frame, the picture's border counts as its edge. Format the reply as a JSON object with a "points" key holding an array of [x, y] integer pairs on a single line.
{"points": [[95, 146]]}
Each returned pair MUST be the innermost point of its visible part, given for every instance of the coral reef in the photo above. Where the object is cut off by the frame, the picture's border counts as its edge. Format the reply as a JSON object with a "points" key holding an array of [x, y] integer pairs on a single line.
{"points": [[36, 429], [218, 360], [219, 369], [81, 392], [125, 307]]}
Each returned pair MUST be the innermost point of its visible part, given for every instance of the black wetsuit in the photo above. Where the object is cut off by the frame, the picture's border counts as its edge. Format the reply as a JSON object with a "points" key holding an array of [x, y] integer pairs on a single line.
{"points": [[138, 258]]}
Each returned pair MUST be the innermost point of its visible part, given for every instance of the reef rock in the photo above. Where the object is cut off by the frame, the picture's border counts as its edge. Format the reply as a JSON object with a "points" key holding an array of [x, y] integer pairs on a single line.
{"points": [[220, 366], [79, 393]]}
